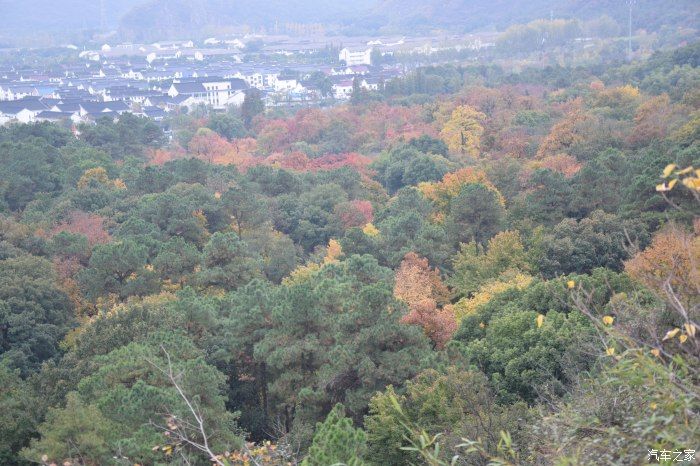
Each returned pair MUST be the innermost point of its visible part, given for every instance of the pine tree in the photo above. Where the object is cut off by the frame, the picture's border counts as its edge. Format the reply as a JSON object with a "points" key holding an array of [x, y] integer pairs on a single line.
{"points": [[336, 441]]}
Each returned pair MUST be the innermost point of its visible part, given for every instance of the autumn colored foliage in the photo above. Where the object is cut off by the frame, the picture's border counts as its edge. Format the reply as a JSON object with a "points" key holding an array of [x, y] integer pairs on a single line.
{"points": [[357, 213], [487, 292], [462, 132], [87, 224], [443, 191], [671, 264], [565, 164], [468, 265], [563, 134], [422, 289]]}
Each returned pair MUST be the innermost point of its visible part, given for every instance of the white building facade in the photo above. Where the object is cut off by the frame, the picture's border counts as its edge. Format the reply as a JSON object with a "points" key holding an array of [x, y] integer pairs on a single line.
{"points": [[352, 58]]}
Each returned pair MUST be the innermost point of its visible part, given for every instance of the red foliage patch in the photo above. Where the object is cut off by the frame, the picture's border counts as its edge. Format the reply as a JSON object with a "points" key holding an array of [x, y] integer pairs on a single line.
{"points": [[83, 223]]}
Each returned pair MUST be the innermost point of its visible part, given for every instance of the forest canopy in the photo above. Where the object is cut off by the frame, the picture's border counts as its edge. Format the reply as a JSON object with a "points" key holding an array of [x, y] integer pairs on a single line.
{"points": [[495, 267]]}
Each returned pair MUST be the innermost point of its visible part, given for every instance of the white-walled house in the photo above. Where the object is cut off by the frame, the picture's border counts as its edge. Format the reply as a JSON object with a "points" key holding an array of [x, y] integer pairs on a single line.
{"points": [[371, 84], [22, 116], [52, 116], [23, 111], [286, 84], [343, 89], [236, 98], [133, 74], [16, 92]]}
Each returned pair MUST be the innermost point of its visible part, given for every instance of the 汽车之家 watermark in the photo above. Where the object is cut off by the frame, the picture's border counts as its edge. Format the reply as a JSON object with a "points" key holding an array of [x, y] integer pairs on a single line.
{"points": [[669, 455]]}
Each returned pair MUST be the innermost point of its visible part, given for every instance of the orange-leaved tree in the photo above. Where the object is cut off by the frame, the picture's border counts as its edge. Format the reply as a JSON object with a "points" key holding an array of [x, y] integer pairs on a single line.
{"points": [[422, 289], [670, 265]]}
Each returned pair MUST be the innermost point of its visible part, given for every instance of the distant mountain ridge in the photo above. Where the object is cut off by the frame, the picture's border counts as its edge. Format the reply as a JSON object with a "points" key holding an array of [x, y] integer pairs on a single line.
{"points": [[61, 15], [162, 19], [469, 15]]}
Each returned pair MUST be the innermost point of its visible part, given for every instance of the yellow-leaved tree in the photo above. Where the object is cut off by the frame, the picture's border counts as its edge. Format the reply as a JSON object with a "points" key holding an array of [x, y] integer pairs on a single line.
{"points": [[462, 132], [488, 291], [442, 192], [305, 272]]}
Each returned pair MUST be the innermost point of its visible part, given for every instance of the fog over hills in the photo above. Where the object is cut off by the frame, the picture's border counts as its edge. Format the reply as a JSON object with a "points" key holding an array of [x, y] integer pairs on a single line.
{"points": [[167, 17], [150, 19], [467, 15], [64, 15]]}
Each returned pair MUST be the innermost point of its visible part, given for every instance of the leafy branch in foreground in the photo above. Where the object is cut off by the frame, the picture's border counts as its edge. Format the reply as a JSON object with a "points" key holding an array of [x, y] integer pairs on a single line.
{"points": [[427, 447]]}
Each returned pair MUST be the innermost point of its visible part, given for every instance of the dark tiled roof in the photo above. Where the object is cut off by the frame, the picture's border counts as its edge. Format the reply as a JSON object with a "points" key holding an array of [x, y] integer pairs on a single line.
{"points": [[48, 115], [159, 99], [102, 107], [15, 106], [179, 99], [98, 115], [68, 107], [154, 112], [238, 84], [189, 88]]}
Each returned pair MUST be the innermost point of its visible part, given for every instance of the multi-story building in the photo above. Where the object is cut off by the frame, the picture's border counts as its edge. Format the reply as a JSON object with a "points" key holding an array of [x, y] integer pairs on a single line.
{"points": [[359, 57], [216, 92]]}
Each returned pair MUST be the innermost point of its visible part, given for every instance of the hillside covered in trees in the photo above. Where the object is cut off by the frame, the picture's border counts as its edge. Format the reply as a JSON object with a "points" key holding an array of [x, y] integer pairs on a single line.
{"points": [[470, 267], [471, 15], [154, 20]]}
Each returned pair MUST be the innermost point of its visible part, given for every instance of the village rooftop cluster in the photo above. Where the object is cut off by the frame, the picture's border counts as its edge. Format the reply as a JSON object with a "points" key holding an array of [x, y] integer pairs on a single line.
{"points": [[152, 80]]}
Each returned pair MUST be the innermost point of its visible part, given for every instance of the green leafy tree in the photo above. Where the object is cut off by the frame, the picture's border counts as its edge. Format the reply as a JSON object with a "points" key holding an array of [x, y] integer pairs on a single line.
{"points": [[322, 82], [473, 266], [70, 245], [179, 211], [34, 313], [522, 359], [598, 184], [248, 208], [128, 136], [429, 145], [547, 202], [176, 260], [252, 106], [277, 250], [77, 157], [403, 227], [406, 165], [310, 219], [336, 139], [599, 240], [475, 214], [640, 200], [227, 125], [76, 432], [334, 336], [118, 268], [19, 415], [227, 262], [53, 134], [121, 409], [452, 403], [246, 316], [27, 168], [336, 441]]}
